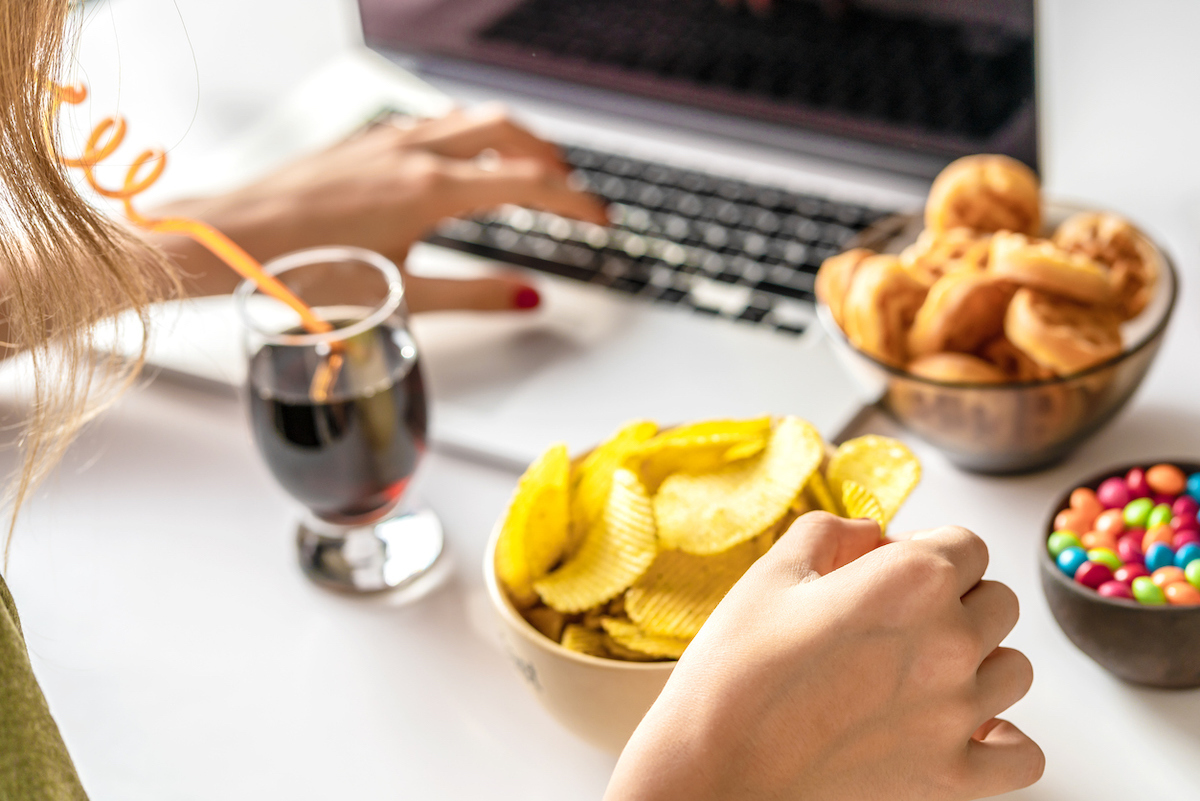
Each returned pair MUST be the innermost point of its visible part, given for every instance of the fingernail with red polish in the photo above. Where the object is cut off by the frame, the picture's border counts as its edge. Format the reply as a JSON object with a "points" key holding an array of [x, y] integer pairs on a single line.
{"points": [[527, 298]]}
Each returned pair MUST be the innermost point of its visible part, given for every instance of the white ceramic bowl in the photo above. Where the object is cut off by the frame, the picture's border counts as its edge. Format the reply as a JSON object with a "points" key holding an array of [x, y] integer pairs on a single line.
{"points": [[599, 700]]}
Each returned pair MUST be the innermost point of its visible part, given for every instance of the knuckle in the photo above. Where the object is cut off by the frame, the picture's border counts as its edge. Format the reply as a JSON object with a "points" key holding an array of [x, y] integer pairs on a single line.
{"points": [[427, 173]]}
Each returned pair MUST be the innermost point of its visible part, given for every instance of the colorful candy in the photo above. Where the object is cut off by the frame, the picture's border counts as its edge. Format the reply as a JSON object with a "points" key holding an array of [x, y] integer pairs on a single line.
{"points": [[1147, 592], [1160, 534], [1135, 480], [1184, 537], [1160, 515], [1159, 555], [1129, 549], [1182, 594], [1135, 538], [1093, 574], [1127, 573], [1098, 539], [1061, 540], [1115, 589], [1186, 555], [1192, 572], [1113, 493], [1111, 521], [1167, 575], [1070, 560], [1105, 556], [1186, 506], [1137, 512]]}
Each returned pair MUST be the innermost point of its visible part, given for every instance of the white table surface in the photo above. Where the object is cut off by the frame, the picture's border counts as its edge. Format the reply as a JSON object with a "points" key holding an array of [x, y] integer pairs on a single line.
{"points": [[185, 657]]}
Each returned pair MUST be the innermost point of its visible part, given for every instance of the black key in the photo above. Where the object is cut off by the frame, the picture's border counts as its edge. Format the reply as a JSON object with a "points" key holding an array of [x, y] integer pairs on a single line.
{"points": [[671, 295], [754, 314], [617, 165], [734, 190], [650, 196], [765, 221], [785, 290], [627, 284], [790, 329], [611, 188], [728, 213], [689, 204]]}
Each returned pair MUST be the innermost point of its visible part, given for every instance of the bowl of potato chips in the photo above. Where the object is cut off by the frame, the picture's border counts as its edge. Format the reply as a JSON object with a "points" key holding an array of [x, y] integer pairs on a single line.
{"points": [[1002, 330], [605, 566]]}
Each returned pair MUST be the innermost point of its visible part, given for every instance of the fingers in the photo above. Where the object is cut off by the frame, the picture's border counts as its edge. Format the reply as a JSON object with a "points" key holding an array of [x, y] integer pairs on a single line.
{"points": [[961, 548], [522, 182], [1004, 759], [481, 294], [1003, 679], [819, 543], [992, 611], [466, 134]]}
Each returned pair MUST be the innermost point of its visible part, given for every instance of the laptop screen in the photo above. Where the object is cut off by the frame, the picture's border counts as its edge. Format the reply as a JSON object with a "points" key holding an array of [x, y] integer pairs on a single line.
{"points": [[939, 78]]}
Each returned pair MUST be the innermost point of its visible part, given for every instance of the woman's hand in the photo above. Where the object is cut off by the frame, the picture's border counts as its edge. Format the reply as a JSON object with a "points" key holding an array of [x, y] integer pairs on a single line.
{"points": [[839, 670], [384, 190]]}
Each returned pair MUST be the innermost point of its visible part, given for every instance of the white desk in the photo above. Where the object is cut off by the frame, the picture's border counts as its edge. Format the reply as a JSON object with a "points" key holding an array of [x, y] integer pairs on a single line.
{"points": [[185, 657]]}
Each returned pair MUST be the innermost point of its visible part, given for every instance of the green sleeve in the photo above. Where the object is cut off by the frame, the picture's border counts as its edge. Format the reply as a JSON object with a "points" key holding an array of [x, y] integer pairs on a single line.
{"points": [[34, 763]]}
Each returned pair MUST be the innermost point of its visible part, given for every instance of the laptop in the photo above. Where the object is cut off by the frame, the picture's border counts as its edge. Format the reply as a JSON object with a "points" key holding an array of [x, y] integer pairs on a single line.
{"points": [[737, 150]]}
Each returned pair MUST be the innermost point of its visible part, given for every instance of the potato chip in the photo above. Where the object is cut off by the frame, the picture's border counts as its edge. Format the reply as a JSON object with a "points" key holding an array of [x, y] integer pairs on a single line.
{"points": [[698, 448], [547, 621], [881, 465], [630, 636], [592, 477], [616, 552], [534, 536], [617, 651], [818, 490], [860, 503], [680, 590], [583, 640], [712, 512]]}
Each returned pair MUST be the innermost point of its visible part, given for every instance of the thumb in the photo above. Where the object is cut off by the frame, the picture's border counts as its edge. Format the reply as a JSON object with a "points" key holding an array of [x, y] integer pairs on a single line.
{"points": [[476, 294], [819, 543]]}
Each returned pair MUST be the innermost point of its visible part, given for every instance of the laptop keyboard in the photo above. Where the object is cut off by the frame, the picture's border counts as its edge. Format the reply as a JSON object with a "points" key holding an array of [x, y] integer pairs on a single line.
{"points": [[869, 63], [721, 247]]}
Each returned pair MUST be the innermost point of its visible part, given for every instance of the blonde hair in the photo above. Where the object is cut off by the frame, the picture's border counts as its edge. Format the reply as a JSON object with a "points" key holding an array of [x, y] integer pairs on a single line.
{"points": [[66, 265]]}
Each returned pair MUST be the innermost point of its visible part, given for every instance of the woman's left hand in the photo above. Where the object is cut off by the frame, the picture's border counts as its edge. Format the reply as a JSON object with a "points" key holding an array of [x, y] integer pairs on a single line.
{"points": [[383, 190]]}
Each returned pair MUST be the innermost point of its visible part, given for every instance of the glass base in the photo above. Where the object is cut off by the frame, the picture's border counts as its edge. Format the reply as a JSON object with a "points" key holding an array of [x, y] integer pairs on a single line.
{"points": [[372, 557]]}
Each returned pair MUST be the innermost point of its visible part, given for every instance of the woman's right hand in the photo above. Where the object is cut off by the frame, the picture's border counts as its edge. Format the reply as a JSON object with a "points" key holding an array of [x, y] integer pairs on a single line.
{"points": [[838, 670]]}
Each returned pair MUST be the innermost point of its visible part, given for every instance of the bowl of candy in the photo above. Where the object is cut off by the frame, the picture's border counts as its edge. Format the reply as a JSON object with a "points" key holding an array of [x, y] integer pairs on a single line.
{"points": [[1005, 331], [604, 567], [1120, 567]]}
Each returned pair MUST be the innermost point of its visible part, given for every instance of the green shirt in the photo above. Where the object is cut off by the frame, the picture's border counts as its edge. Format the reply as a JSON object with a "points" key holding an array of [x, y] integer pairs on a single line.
{"points": [[34, 763]]}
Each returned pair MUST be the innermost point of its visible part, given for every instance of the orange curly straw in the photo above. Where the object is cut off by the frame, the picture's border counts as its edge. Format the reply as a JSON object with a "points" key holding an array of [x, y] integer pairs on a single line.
{"points": [[220, 245]]}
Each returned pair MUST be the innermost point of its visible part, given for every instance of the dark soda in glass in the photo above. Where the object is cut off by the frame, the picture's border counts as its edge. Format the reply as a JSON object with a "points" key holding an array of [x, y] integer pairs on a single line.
{"points": [[351, 454]]}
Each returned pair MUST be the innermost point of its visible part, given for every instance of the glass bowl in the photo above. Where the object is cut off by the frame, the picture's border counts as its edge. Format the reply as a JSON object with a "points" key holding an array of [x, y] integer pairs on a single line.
{"points": [[1018, 426]]}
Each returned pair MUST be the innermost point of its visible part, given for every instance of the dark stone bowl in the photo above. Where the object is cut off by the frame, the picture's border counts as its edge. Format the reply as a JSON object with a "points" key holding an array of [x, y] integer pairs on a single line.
{"points": [[1157, 646]]}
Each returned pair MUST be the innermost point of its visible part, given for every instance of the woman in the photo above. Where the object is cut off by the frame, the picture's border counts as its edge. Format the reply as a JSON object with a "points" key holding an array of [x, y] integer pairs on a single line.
{"points": [[833, 670]]}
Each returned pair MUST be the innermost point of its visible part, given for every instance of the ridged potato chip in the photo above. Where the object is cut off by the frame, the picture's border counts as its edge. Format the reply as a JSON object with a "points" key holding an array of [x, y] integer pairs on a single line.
{"points": [[860, 503], [818, 491], [680, 590], [698, 448], [592, 477], [881, 465], [630, 636], [535, 533], [583, 640], [616, 552], [711, 512]]}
